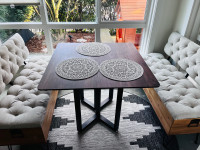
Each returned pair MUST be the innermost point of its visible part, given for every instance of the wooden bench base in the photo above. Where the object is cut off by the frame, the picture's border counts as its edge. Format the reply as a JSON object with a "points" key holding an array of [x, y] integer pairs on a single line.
{"points": [[31, 135], [171, 126]]}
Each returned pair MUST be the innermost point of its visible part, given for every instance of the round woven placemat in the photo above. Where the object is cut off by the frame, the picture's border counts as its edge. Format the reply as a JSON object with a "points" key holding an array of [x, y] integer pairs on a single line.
{"points": [[93, 49], [121, 69], [77, 68]]}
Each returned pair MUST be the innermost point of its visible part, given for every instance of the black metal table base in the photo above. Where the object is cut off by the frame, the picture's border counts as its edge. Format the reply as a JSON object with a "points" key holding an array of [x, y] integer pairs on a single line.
{"points": [[97, 107], [90, 105]]}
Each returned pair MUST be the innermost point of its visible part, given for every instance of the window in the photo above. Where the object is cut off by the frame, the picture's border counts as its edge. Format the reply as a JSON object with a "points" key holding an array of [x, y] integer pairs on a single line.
{"points": [[19, 13], [123, 10], [71, 11], [65, 21]]}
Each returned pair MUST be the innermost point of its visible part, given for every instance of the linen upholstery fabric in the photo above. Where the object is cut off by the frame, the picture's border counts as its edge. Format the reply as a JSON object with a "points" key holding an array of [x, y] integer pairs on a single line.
{"points": [[178, 94], [185, 53], [12, 55], [24, 106]]}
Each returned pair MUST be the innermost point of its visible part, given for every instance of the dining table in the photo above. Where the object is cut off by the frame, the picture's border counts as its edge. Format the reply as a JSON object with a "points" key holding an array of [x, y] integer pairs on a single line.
{"points": [[52, 81]]}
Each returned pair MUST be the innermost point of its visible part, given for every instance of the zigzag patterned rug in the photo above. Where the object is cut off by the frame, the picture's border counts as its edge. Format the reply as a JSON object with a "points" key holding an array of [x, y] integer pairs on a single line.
{"points": [[139, 127]]}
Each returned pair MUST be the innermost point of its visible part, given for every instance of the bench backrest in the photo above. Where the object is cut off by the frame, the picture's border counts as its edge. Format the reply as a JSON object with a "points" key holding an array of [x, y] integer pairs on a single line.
{"points": [[12, 55], [185, 53]]}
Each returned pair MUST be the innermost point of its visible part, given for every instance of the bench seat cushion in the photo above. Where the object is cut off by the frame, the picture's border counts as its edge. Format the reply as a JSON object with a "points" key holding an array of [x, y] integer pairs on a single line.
{"points": [[24, 106], [178, 94]]}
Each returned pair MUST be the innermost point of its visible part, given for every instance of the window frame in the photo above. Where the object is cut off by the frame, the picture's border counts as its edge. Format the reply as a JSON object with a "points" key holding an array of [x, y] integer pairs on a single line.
{"points": [[46, 26], [19, 2]]}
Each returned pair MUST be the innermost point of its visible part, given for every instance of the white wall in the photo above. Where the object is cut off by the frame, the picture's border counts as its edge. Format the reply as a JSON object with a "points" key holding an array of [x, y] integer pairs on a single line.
{"points": [[164, 24], [183, 17]]}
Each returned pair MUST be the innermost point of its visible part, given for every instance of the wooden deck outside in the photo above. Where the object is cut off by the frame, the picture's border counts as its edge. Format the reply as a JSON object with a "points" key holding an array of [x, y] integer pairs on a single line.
{"points": [[130, 10]]}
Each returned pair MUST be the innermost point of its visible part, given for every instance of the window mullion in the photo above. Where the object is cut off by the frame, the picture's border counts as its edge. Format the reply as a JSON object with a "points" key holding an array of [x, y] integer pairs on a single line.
{"points": [[60, 25], [20, 25], [98, 11], [44, 19], [20, 2], [147, 10], [97, 35], [98, 20]]}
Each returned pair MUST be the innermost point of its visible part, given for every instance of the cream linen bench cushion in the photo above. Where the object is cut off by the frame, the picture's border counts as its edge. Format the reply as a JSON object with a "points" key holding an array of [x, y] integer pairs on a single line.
{"points": [[177, 100], [25, 112], [25, 106], [178, 94]]}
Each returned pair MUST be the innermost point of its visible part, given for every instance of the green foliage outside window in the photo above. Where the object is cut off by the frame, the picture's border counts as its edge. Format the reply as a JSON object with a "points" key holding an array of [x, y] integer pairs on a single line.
{"points": [[70, 11], [139, 30], [16, 14]]}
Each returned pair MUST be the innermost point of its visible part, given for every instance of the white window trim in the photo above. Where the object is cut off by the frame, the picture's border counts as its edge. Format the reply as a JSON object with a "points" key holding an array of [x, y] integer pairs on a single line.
{"points": [[19, 2], [46, 26], [61, 25], [147, 31], [194, 22]]}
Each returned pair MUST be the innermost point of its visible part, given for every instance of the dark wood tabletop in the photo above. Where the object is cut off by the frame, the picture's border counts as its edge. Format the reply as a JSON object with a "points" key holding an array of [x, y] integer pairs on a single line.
{"points": [[51, 81]]}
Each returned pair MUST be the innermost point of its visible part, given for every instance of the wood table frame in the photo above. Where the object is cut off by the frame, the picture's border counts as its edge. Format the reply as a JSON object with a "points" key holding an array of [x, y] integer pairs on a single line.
{"points": [[51, 81]]}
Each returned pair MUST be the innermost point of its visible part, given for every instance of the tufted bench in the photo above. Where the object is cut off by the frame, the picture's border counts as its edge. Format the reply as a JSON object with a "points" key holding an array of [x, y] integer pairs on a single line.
{"points": [[25, 112], [177, 100]]}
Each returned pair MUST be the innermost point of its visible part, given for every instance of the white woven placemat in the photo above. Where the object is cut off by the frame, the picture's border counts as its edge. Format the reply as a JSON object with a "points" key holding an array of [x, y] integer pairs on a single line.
{"points": [[93, 49], [121, 69], [77, 68]]}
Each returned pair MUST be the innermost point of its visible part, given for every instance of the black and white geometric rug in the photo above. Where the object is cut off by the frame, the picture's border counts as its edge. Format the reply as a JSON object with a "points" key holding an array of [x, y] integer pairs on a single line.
{"points": [[139, 127]]}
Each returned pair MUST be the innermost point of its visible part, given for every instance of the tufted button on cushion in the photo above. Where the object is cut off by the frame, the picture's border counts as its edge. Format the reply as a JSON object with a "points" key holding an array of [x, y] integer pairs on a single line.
{"points": [[24, 106]]}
